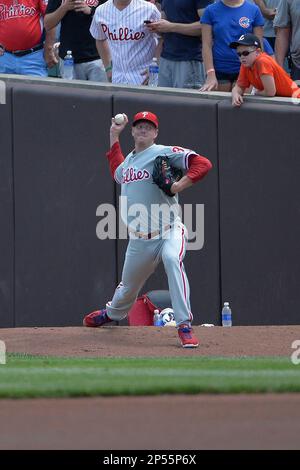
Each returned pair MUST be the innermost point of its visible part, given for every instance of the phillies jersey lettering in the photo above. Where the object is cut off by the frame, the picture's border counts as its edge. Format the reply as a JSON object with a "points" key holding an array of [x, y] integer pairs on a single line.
{"points": [[132, 46], [15, 11], [123, 34], [131, 174], [21, 23], [139, 191]]}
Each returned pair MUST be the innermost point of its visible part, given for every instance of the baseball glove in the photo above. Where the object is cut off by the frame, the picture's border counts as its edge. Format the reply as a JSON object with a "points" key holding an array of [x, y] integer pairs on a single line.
{"points": [[164, 175]]}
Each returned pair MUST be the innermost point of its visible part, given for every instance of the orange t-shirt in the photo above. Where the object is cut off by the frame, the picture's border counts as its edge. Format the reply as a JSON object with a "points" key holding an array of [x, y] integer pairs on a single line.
{"points": [[265, 65]]}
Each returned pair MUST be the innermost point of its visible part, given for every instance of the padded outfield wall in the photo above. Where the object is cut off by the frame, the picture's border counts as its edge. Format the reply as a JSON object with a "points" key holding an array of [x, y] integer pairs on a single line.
{"points": [[54, 177]]}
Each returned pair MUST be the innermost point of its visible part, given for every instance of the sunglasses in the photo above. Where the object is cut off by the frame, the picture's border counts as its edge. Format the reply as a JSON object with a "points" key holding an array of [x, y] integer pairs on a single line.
{"points": [[245, 53]]}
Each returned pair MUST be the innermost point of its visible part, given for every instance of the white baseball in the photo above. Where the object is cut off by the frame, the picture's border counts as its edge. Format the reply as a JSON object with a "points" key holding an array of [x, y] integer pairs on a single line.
{"points": [[119, 118]]}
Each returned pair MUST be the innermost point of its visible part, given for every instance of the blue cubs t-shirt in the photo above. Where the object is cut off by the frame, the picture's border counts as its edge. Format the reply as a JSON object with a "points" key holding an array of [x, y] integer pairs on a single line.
{"points": [[179, 46], [228, 24]]}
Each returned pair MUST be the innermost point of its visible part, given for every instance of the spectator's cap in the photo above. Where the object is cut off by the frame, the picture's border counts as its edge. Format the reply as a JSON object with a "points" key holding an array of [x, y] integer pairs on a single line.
{"points": [[246, 40], [145, 116]]}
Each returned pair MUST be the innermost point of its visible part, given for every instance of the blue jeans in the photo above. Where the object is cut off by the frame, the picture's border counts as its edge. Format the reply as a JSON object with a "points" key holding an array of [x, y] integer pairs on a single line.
{"points": [[29, 64]]}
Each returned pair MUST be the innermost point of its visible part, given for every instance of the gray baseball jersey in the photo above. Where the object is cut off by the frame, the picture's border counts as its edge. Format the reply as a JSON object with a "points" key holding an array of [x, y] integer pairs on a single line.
{"points": [[132, 46], [144, 207]]}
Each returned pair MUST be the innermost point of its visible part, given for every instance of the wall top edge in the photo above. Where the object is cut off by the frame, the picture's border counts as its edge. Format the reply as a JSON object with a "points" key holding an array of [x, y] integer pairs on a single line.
{"points": [[214, 95]]}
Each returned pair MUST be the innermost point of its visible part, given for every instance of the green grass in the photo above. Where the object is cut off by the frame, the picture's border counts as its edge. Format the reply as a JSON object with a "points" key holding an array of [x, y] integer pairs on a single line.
{"points": [[35, 376]]}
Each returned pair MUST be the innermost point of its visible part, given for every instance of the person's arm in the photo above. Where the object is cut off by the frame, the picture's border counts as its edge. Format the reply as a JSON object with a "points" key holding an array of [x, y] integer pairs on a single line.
{"points": [[268, 13], [269, 86], [115, 158], [237, 95], [104, 52], [165, 26], [207, 40], [49, 54], [116, 129], [81, 6], [52, 19], [198, 167], [158, 48], [259, 32], [115, 155], [282, 44], [184, 183]]}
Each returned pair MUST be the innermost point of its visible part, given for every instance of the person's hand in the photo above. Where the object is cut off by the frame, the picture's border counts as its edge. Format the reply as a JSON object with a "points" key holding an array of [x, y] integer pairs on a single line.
{"points": [[237, 99], [67, 5], [2, 50], [145, 74], [116, 129], [109, 76], [50, 57], [56, 50], [270, 13], [160, 26], [211, 84], [174, 188], [81, 6]]}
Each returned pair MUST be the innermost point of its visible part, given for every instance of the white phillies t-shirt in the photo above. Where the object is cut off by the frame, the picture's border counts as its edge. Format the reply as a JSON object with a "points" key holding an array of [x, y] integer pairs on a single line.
{"points": [[132, 46], [144, 207]]}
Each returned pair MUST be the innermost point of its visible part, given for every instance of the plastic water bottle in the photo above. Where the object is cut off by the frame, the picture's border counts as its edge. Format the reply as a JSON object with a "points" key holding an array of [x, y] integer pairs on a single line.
{"points": [[153, 72], [157, 319], [68, 66], [226, 315]]}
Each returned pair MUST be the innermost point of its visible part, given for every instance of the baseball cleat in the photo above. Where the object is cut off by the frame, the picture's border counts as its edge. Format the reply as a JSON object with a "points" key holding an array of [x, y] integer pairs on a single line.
{"points": [[187, 337], [96, 318]]}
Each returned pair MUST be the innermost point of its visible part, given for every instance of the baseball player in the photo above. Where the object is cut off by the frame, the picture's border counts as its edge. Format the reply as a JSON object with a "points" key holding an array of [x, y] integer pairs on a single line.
{"points": [[124, 43], [152, 217]]}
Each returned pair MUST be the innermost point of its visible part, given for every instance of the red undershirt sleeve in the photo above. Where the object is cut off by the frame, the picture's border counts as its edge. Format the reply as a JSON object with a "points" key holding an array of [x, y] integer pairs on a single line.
{"points": [[115, 158], [198, 167]]}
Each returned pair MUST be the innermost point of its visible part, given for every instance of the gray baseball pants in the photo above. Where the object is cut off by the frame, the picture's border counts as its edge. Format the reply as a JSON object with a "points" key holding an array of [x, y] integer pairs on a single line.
{"points": [[141, 260]]}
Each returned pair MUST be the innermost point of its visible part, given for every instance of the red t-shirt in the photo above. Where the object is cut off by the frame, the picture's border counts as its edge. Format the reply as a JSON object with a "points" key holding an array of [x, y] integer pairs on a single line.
{"points": [[265, 65], [21, 23]]}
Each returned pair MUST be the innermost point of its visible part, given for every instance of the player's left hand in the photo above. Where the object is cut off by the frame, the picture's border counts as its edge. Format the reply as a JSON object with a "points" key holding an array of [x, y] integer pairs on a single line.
{"points": [[165, 175], [81, 6], [160, 26]]}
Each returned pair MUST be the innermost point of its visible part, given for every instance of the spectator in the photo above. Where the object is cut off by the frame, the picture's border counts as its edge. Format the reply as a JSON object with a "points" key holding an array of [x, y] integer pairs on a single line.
{"points": [[123, 40], [181, 63], [24, 50], [268, 10], [222, 23], [287, 25], [76, 17], [261, 71]]}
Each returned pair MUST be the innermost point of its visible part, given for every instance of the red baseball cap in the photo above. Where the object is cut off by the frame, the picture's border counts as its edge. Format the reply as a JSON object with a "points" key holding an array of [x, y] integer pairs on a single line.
{"points": [[145, 116]]}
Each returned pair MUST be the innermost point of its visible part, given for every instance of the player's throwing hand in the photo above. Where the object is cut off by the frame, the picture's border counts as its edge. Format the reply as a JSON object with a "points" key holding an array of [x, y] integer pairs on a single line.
{"points": [[116, 129]]}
